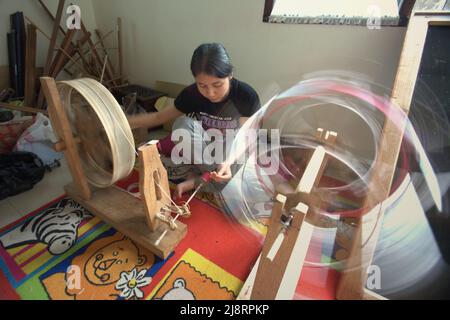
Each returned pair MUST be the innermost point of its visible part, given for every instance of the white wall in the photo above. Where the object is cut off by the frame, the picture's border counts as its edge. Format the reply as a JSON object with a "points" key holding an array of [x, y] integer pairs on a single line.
{"points": [[160, 36], [33, 10]]}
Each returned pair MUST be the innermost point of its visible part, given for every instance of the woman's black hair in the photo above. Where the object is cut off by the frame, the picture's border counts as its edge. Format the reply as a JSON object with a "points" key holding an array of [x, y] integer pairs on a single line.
{"points": [[211, 59]]}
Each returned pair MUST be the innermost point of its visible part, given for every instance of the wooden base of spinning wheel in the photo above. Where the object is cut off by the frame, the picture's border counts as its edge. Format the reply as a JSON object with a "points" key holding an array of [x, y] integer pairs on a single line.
{"points": [[128, 215], [135, 218]]}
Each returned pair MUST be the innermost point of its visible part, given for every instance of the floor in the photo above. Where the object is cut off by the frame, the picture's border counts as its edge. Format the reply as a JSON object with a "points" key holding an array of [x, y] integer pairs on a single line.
{"points": [[49, 188]]}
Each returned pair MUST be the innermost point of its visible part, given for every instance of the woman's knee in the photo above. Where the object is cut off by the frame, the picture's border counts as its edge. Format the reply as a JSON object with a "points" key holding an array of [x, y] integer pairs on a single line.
{"points": [[185, 123]]}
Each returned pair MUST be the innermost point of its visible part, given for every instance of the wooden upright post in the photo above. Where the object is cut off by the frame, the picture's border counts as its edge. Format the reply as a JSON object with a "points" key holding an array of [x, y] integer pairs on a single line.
{"points": [[285, 247], [61, 125], [353, 278], [154, 183]]}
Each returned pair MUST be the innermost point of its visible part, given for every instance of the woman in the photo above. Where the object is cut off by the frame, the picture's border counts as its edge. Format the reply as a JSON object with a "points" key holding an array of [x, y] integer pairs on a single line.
{"points": [[215, 101]]}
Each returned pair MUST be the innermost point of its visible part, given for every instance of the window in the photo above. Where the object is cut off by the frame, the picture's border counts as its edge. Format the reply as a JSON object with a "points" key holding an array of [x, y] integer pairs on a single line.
{"points": [[338, 12]]}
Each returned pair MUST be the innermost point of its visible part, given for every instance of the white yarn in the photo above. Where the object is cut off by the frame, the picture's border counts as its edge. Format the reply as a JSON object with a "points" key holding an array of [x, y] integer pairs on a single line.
{"points": [[115, 124]]}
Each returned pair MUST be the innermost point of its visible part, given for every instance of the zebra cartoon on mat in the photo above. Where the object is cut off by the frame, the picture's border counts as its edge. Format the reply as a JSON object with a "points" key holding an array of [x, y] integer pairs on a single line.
{"points": [[56, 226]]}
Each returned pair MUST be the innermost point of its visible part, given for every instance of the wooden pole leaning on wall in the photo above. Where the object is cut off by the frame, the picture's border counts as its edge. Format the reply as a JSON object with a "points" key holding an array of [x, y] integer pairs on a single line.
{"points": [[105, 53], [119, 45], [51, 16], [278, 269], [82, 55], [94, 52], [22, 109], [68, 55], [51, 47], [30, 67], [60, 59], [85, 52]]}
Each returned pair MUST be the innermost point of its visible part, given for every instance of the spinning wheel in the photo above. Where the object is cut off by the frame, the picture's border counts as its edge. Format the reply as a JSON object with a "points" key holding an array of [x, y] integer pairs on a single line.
{"points": [[106, 142], [99, 149]]}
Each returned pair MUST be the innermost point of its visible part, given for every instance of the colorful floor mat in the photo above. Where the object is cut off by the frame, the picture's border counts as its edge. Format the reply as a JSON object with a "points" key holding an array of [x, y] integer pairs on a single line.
{"points": [[61, 251]]}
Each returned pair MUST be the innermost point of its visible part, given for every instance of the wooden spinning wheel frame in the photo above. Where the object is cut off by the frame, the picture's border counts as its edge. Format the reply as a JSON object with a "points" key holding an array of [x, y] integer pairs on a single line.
{"points": [[276, 272], [93, 149]]}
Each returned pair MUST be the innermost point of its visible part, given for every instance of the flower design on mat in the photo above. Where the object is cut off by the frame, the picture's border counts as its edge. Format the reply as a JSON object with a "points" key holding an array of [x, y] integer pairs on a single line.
{"points": [[130, 283]]}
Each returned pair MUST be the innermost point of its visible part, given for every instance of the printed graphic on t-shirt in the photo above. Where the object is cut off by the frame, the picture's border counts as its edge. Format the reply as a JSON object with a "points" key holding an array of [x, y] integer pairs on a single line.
{"points": [[221, 123]]}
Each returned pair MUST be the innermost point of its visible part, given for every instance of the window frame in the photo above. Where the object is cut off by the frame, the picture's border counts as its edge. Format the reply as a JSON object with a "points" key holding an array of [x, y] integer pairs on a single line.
{"points": [[406, 8]]}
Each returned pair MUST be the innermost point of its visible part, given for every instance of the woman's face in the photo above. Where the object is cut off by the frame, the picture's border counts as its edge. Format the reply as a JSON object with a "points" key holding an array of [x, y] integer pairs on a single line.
{"points": [[212, 88]]}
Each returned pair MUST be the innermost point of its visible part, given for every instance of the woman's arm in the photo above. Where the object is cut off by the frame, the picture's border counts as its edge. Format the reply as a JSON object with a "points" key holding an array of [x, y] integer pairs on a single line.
{"points": [[154, 119]]}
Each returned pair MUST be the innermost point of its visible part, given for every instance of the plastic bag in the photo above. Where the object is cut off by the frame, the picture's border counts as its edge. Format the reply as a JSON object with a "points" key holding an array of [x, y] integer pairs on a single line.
{"points": [[11, 130], [39, 139]]}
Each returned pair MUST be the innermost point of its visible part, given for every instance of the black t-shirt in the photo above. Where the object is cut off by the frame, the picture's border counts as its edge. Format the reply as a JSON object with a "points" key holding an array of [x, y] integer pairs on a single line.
{"points": [[242, 101]]}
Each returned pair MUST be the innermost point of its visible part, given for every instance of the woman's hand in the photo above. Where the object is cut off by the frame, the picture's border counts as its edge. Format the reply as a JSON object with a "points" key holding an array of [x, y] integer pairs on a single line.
{"points": [[223, 173]]}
